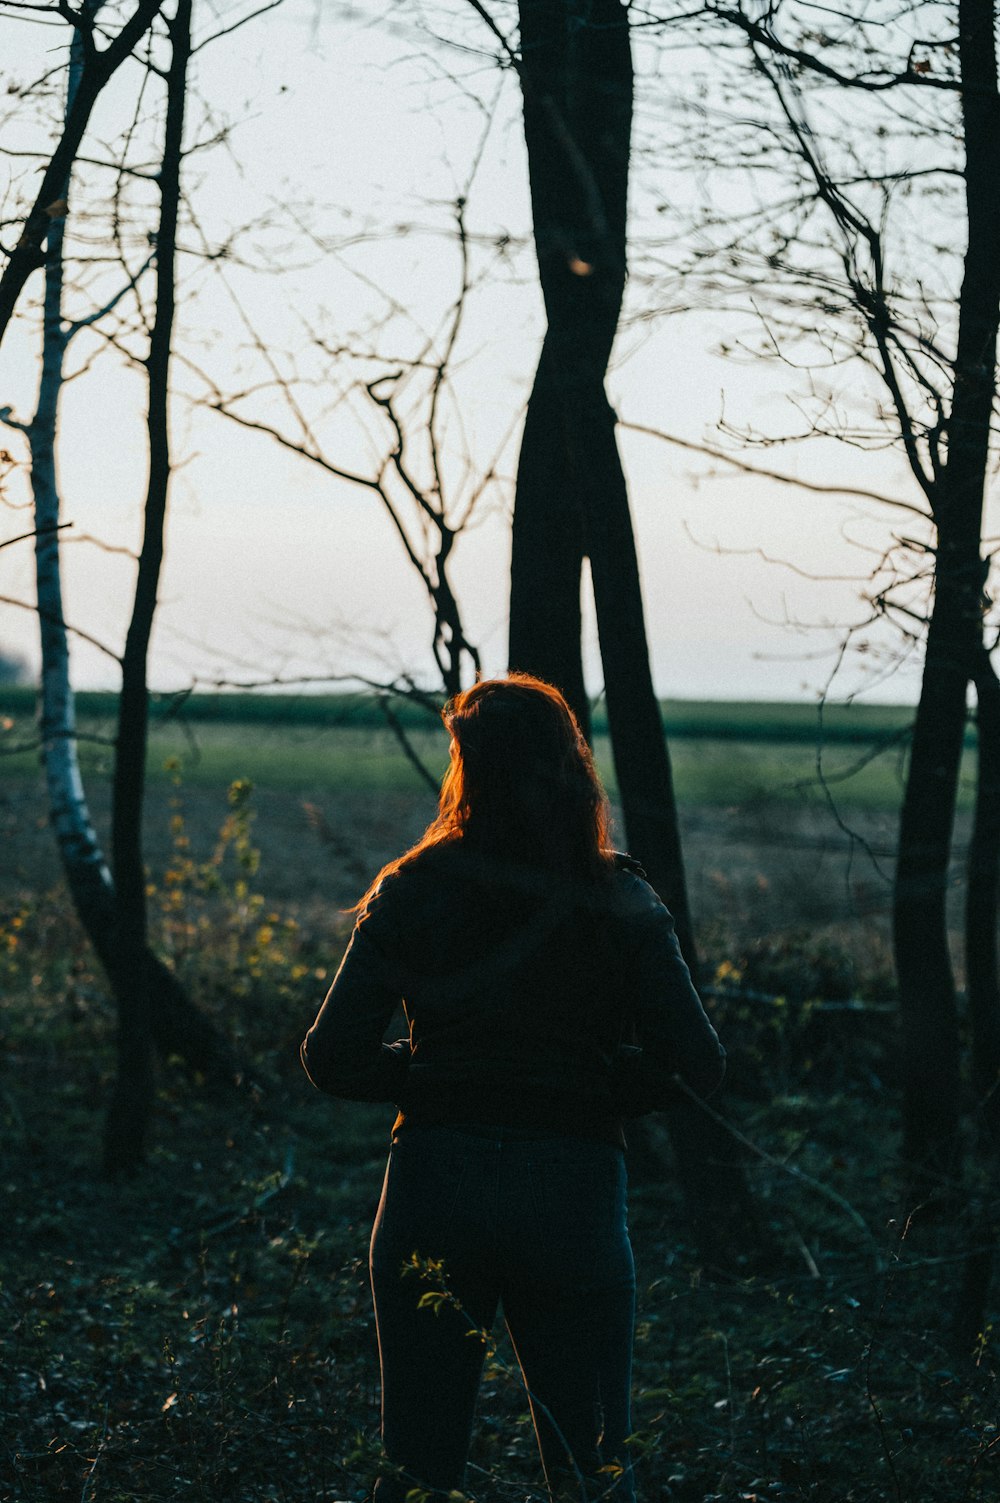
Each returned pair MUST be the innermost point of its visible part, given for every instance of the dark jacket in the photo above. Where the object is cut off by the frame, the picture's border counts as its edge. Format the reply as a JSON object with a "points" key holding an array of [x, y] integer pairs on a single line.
{"points": [[529, 1003]]}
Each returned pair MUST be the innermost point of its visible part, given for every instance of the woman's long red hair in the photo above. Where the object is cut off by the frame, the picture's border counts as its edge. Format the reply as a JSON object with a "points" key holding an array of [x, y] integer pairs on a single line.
{"points": [[521, 785]]}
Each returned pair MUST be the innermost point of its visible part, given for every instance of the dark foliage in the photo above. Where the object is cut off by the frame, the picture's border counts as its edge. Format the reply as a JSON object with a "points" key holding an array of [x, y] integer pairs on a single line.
{"points": [[206, 1332]]}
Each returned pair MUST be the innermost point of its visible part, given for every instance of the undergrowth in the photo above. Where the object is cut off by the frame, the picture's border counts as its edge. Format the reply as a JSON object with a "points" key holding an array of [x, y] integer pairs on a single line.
{"points": [[204, 1331]]}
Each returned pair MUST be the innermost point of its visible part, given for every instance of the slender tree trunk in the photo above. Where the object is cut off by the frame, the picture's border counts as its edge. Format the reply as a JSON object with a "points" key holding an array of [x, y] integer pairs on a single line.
{"points": [[983, 993], [571, 498], [82, 858], [928, 1009], [638, 743], [128, 1114], [177, 1025], [983, 888]]}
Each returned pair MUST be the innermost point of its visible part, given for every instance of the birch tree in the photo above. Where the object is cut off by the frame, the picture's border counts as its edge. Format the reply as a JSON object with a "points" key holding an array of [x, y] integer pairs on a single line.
{"points": [[94, 68], [153, 1008]]}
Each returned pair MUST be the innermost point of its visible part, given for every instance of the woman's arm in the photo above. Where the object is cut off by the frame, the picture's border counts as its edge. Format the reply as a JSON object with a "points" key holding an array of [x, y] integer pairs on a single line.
{"points": [[343, 1053], [671, 1025]]}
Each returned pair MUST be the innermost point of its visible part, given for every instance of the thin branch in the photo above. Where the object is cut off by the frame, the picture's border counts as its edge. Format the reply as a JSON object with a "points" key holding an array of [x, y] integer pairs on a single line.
{"points": [[75, 325], [226, 31], [77, 631], [27, 255], [764, 35], [399, 731], [826, 1191], [749, 469], [38, 532], [871, 301]]}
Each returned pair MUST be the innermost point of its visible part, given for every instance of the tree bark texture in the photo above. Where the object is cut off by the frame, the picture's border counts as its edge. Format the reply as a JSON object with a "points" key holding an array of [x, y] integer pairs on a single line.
{"points": [[571, 500], [128, 1114], [928, 1009], [96, 69], [79, 848], [982, 974]]}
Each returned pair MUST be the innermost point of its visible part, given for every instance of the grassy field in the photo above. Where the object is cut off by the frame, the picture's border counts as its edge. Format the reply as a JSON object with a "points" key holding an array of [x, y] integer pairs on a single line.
{"points": [[723, 753], [745, 720]]}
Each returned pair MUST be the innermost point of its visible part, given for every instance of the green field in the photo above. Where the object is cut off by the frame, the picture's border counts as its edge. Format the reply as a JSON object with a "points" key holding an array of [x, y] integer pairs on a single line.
{"points": [[740, 720], [724, 753]]}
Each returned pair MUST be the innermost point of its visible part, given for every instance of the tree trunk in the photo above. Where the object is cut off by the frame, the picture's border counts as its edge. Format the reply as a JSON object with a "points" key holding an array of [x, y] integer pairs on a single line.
{"points": [[572, 500], [547, 550], [128, 1114], [928, 1007], [177, 1025], [928, 1010], [82, 858], [638, 743], [983, 994], [983, 886]]}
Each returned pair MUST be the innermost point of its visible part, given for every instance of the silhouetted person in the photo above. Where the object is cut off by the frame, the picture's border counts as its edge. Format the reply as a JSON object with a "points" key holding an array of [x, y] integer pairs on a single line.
{"points": [[546, 999]]}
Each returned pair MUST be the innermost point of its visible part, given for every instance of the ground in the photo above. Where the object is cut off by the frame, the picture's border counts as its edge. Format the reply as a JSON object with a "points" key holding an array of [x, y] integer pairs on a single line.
{"points": [[203, 1331]]}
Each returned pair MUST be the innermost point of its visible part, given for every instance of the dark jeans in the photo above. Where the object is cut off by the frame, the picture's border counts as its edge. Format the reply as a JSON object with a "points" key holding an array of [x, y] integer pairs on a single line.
{"points": [[539, 1225]]}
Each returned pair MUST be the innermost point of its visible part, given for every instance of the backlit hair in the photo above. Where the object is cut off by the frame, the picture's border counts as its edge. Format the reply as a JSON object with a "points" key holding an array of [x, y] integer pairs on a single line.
{"points": [[521, 785]]}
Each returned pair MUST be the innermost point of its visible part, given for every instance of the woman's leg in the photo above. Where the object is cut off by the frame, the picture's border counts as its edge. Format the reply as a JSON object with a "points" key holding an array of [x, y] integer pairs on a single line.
{"points": [[431, 1360], [575, 1352], [569, 1303]]}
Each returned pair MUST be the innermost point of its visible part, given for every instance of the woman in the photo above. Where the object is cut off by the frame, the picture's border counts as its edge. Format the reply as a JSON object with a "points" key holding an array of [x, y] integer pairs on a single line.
{"points": [[546, 998]]}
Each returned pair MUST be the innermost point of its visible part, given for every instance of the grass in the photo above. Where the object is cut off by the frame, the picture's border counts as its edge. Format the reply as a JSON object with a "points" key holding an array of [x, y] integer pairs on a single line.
{"points": [[204, 1332], [742, 720], [723, 754]]}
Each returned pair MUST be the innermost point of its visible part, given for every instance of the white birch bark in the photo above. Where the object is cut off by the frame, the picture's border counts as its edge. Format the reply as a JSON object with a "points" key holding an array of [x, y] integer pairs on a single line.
{"points": [[79, 847]]}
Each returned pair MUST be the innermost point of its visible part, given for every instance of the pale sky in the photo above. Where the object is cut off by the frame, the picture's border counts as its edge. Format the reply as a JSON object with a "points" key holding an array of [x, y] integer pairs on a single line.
{"points": [[276, 568]]}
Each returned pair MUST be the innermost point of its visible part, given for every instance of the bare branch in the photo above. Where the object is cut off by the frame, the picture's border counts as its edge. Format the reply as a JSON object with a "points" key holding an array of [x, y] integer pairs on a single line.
{"points": [[815, 486], [92, 318], [97, 69], [226, 31], [36, 533], [76, 631]]}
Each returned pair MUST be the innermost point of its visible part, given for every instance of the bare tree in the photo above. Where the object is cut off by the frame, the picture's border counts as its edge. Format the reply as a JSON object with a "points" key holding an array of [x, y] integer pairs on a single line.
{"points": [[153, 1008], [128, 1115], [872, 150], [425, 479], [574, 64], [575, 67], [95, 66]]}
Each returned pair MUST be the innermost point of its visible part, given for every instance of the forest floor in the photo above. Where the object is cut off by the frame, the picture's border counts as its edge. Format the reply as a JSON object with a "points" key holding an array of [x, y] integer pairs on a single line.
{"points": [[204, 1331]]}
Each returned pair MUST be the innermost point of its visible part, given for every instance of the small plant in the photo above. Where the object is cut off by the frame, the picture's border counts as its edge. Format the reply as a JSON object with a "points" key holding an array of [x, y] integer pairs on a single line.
{"points": [[215, 927]]}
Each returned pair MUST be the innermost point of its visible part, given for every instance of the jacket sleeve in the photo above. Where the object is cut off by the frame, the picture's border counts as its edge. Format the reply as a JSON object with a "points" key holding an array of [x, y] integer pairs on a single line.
{"points": [[672, 1028], [343, 1053]]}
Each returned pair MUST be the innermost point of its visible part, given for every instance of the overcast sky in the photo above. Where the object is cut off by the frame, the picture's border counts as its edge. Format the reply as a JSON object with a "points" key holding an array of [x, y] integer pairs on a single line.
{"points": [[368, 132]]}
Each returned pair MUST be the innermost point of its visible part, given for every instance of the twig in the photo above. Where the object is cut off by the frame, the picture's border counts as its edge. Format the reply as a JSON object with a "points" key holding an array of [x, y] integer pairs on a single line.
{"points": [[833, 1196], [817, 487], [76, 631], [412, 756], [37, 533]]}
